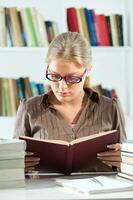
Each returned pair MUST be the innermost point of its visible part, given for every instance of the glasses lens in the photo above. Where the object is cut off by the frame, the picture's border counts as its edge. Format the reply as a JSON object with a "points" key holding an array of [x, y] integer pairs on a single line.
{"points": [[73, 79], [53, 77]]}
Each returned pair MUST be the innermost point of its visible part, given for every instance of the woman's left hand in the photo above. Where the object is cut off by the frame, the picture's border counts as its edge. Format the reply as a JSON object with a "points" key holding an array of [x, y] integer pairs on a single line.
{"points": [[112, 157]]}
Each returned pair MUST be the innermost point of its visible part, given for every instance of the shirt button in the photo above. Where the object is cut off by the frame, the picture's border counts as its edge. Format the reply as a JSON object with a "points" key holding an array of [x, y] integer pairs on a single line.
{"points": [[72, 136]]}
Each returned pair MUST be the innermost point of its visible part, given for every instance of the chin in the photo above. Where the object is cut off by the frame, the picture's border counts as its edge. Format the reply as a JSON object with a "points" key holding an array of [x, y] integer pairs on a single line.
{"points": [[64, 98]]}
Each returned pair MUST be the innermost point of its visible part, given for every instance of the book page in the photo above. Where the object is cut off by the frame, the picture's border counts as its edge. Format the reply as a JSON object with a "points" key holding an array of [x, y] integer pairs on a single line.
{"points": [[92, 136], [62, 142]]}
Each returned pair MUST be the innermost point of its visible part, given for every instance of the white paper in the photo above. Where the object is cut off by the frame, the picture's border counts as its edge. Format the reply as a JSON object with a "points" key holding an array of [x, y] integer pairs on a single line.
{"points": [[99, 184]]}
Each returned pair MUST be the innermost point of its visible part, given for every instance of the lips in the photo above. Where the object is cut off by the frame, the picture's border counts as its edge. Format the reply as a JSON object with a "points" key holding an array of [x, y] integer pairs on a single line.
{"points": [[63, 93]]}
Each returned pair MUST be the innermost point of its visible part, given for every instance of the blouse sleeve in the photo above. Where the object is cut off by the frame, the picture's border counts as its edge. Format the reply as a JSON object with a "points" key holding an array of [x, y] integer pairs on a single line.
{"points": [[22, 123], [119, 120]]}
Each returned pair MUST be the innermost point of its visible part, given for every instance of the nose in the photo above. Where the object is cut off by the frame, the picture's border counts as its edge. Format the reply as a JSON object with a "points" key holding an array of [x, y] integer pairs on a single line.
{"points": [[62, 84]]}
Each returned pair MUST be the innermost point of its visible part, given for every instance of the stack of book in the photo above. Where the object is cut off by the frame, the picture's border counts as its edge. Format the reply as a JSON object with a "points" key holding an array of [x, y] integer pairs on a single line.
{"points": [[127, 161], [12, 153]]}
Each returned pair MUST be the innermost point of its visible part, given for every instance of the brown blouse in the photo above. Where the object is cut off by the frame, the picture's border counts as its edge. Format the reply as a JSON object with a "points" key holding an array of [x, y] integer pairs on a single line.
{"points": [[36, 117]]}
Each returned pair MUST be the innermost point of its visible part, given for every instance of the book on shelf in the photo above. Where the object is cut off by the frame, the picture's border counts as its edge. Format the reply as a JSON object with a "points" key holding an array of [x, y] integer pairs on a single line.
{"points": [[64, 157], [91, 28], [9, 38], [42, 30], [102, 31], [3, 41], [15, 27], [29, 26], [119, 21], [6, 104], [1, 98], [84, 24], [98, 184], [72, 20], [114, 30]]}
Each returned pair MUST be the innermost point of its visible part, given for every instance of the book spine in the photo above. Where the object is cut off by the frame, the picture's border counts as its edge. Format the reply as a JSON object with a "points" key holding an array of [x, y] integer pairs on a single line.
{"points": [[50, 31], [42, 30], [69, 159], [1, 106], [12, 97], [84, 24], [29, 27], [91, 28], [79, 22], [3, 41], [72, 19], [15, 27], [9, 28], [114, 30]]}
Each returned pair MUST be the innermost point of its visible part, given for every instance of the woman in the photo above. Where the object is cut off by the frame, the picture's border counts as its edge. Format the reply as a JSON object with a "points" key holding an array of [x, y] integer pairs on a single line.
{"points": [[69, 110]]}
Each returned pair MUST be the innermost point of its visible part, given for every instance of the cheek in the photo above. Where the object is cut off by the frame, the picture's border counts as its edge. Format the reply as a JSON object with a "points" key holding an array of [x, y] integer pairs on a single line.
{"points": [[54, 86]]}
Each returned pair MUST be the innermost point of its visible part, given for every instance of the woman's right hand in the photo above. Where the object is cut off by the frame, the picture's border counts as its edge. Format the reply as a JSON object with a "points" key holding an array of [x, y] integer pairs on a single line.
{"points": [[30, 161]]}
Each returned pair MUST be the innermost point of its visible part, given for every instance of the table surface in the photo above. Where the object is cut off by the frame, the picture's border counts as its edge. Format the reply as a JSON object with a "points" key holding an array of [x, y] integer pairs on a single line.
{"points": [[45, 186]]}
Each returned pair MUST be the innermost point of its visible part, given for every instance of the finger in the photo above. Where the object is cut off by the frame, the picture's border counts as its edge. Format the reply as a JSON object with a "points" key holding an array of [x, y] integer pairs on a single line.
{"points": [[116, 146], [32, 159], [110, 163], [29, 153], [113, 158], [110, 153], [29, 169], [30, 164]]}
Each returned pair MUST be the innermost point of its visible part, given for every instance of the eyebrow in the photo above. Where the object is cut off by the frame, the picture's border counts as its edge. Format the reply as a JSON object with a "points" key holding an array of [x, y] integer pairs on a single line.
{"points": [[75, 73]]}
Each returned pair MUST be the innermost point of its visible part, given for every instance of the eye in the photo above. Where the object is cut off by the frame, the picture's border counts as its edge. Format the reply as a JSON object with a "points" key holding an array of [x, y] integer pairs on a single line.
{"points": [[53, 77], [73, 79]]}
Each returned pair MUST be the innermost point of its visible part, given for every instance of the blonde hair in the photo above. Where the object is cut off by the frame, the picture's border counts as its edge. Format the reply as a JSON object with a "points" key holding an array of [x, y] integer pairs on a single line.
{"points": [[70, 46]]}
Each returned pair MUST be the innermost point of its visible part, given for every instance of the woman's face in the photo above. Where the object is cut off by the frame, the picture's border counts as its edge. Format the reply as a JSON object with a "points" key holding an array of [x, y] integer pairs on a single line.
{"points": [[63, 91]]}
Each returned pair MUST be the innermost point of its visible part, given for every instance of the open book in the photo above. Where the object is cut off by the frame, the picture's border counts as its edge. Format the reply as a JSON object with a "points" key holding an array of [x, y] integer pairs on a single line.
{"points": [[64, 157]]}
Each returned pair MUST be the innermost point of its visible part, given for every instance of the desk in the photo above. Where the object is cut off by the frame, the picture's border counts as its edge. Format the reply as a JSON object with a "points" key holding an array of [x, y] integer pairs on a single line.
{"points": [[46, 187]]}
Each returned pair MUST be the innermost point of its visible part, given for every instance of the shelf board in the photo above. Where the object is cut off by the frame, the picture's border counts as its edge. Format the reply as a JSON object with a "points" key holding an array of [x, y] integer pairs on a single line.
{"points": [[23, 49], [38, 49], [104, 49]]}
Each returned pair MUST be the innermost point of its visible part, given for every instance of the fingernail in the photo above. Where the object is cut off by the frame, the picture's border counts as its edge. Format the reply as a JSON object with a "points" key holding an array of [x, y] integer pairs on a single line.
{"points": [[98, 154], [99, 157]]}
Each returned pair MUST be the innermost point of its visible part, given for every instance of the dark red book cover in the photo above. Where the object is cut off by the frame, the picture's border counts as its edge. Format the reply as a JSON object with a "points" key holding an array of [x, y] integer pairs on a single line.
{"points": [[63, 157], [72, 20]]}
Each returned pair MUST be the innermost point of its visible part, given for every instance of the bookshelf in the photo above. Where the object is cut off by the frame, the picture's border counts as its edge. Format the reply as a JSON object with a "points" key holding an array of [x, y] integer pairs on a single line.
{"points": [[112, 66]]}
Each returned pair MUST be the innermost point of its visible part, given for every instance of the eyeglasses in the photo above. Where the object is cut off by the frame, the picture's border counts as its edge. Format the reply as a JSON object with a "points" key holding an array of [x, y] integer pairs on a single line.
{"points": [[70, 79]]}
